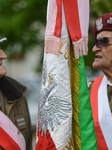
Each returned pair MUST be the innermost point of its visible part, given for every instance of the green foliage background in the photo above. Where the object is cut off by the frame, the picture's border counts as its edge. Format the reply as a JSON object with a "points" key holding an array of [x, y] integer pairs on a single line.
{"points": [[20, 22]]}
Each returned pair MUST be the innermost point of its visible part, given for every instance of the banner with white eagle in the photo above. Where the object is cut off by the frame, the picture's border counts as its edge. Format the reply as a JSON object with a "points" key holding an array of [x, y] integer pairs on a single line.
{"points": [[58, 118]]}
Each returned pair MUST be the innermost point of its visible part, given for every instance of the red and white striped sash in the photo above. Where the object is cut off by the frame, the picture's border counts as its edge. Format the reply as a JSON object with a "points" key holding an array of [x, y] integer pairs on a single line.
{"points": [[101, 113], [10, 138]]}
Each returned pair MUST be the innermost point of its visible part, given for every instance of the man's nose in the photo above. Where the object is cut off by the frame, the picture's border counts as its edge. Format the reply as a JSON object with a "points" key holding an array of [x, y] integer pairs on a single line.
{"points": [[95, 49], [2, 54]]}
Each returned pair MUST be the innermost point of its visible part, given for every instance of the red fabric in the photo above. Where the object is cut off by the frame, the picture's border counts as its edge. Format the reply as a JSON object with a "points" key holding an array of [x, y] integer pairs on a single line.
{"points": [[104, 23], [7, 142], [44, 143], [58, 26], [72, 18], [94, 103]]}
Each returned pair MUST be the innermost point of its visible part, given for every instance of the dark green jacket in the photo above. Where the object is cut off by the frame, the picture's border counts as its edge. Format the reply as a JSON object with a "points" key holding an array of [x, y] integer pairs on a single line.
{"points": [[14, 105]]}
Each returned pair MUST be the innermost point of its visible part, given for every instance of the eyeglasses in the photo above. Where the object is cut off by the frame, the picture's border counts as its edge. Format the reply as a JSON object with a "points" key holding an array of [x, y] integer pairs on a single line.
{"points": [[102, 41]]}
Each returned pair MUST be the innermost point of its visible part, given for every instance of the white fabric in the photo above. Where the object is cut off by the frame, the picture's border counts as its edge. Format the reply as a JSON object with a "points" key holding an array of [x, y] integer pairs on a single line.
{"points": [[51, 17], [104, 113], [83, 7], [12, 131], [58, 67], [61, 136]]}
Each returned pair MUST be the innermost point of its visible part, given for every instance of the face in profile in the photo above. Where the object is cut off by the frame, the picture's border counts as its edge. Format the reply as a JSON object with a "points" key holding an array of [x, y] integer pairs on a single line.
{"points": [[103, 53], [2, 67]]}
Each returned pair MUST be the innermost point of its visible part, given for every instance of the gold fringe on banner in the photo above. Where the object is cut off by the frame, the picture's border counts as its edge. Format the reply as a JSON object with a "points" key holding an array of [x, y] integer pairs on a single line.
{"points": [[75, 84], [69, 146]]}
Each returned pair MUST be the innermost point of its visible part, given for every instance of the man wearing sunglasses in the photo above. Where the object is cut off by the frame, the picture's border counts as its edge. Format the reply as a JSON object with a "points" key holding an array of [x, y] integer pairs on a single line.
{"points": [[15, 124], [101, 90]]}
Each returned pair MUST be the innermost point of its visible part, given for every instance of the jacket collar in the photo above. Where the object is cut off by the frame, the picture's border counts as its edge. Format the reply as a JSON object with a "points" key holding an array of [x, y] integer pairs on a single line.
{"points": [[12, 89]]}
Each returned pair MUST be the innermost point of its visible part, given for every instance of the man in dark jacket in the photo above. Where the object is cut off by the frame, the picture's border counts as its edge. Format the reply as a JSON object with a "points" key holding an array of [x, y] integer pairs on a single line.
{"points": [[15, 124]]}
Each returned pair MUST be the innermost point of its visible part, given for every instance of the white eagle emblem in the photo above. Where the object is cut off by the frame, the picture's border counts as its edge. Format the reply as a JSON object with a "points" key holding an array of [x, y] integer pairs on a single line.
{"points": [[52, 110], [99, 24]]}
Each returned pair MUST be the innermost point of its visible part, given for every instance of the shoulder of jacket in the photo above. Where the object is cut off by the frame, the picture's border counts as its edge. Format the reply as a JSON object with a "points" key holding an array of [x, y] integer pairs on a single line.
{"points": [[11, 88]]}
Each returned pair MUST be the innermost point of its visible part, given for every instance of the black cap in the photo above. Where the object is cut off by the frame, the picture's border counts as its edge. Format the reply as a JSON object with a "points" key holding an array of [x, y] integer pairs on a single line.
{"points": [[3, 39]]}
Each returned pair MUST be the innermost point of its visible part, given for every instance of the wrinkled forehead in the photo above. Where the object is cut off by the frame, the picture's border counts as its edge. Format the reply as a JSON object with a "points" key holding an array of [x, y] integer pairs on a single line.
{"points": [[104, 34]]}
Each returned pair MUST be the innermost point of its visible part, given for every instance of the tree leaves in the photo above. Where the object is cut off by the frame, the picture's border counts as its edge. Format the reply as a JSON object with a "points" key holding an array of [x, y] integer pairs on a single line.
{"points": [[23, 23], [16, 23]]}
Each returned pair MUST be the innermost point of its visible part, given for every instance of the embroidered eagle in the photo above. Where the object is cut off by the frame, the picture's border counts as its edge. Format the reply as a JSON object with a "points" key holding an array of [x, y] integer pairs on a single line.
{"points": [[52, 110], [99, 24]]}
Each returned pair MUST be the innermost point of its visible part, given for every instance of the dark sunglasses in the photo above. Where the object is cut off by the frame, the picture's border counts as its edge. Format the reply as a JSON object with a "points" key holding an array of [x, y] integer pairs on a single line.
{"points": [[102, 41]]}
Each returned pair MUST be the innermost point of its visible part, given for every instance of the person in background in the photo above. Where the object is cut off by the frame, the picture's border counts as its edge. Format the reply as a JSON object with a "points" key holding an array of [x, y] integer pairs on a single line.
{"points": [[101, 87], [15, 124]]}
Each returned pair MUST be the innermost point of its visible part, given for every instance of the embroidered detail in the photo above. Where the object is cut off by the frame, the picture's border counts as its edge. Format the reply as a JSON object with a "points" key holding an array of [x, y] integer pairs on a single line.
{"points": [[62, 46], [75, 100], [44, 93], [44, 73], [99, 24], [69, 146], [109, 21], [52, 110], [67, 51], [49, 79]]}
